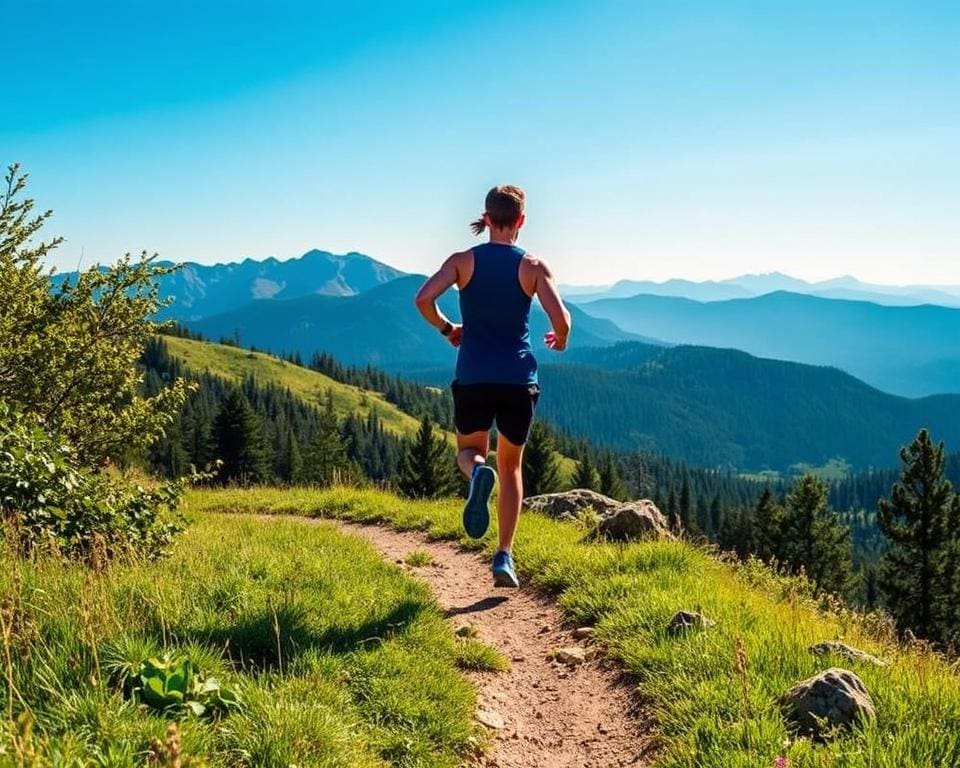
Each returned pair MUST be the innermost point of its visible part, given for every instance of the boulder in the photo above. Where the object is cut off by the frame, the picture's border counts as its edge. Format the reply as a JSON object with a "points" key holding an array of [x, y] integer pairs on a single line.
{"points": [[825, 704], [570, 504], [846, 651], [684, 621], [632, 521]]}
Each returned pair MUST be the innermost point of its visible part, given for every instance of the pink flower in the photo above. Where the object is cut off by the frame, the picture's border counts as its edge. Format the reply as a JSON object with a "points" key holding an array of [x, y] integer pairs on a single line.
{"points": [[781, 762]]}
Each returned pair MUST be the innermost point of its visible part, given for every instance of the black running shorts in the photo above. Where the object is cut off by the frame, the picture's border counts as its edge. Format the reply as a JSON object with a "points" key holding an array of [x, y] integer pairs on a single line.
{"points": [[477, 406]]}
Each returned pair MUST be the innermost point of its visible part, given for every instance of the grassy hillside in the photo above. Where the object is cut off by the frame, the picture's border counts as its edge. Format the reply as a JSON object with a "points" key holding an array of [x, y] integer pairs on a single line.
{"points": [[713, 711], [233, 364], [280, 612]]}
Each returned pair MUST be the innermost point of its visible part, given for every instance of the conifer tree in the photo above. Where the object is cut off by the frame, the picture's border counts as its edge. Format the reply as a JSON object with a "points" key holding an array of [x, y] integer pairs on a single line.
{"points": [[585, 475], [815, 539], [239, 441], [611, 482], [716, 514], [916, 520], [427, 467], [292, 464], [768, 523], [685, 506], [327, 461], [541, 469]]}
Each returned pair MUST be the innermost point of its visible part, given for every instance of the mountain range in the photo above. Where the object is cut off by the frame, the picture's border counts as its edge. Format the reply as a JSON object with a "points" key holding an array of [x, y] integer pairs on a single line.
{"points": [[198, 290], [911, 351], [380, 327], [690, 396], [746, 286]]}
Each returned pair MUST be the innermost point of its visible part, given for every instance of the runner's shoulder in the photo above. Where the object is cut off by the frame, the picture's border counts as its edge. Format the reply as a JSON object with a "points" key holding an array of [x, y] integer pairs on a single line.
{"points": [[536, 265]]}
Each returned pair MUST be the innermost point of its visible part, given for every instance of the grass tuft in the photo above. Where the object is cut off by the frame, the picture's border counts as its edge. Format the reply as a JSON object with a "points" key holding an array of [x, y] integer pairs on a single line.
{"points": [[419, 558]]}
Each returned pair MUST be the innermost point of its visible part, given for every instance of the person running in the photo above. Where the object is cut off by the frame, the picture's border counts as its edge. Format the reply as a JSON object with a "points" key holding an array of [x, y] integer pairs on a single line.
{"points": [[496, 376]]}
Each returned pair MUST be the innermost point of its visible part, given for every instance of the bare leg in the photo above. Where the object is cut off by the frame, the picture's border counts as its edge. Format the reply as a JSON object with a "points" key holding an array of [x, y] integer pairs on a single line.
{"points": [[509, 465], [471, 451]]}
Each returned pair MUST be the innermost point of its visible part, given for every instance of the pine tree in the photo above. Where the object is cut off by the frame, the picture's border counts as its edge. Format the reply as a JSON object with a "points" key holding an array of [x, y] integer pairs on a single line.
{"points": [[815, 539], [292, 464], [915, 519], [327, 461], [716, 514], [541, 469], [239, 441], [685, 509], [768, 523], [610, 480], [426, 470], [585, 475], [673, 512]]}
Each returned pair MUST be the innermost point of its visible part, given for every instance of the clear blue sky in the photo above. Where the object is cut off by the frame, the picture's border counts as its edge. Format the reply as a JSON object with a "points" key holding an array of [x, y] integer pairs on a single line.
{"points": [[690, 139]]}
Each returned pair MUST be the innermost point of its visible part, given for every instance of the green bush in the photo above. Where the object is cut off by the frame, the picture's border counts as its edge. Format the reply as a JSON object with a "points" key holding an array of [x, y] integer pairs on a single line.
{"points": [[48, 501]]}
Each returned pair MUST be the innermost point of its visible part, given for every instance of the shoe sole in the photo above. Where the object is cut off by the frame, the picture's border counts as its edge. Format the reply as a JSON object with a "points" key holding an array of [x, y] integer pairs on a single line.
{"points": [[505, 579], [476, 514]]}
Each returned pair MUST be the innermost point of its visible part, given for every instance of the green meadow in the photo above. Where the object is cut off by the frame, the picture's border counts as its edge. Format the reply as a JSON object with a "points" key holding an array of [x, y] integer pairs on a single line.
{"points": [[335, 657]]}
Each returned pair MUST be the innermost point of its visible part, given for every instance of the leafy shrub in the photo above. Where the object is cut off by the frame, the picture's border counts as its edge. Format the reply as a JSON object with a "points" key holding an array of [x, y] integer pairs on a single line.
{"points": [[170, 683], [48, 500]]}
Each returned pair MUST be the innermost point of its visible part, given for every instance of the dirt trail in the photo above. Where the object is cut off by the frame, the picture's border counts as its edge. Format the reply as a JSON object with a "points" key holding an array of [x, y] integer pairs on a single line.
{"points": [[554, 716]]}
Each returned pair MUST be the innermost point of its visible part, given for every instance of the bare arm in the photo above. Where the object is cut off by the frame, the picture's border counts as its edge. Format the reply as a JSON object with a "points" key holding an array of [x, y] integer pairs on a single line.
{"points": [[430, 291], [553, 305]]}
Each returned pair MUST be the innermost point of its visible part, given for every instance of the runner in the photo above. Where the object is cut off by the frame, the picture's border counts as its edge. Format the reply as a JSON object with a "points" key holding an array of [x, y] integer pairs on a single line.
{"points": [[496, 378]]}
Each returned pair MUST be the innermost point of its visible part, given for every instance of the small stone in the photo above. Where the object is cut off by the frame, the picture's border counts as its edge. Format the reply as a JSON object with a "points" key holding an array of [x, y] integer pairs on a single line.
{"points": [[846, 651], [490, 718], [517, 658], [684, 621], [602, 728], [582, 633], [571, 656]]}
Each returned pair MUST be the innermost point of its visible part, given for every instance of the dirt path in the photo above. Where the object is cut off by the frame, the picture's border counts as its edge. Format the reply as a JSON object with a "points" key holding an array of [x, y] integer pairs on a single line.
{"points": [[554, 715]]}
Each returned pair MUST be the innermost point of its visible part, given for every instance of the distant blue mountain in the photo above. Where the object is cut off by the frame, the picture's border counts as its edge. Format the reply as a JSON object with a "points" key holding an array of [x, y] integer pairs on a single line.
{"points": [[745, 286], [199, 290], [380, 326], [911, 351]]}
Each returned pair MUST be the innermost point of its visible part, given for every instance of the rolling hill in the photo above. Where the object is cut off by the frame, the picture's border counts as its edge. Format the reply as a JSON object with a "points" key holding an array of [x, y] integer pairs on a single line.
{"points": [[235, 364], [381, 327], [725, 408], [910, 351]]}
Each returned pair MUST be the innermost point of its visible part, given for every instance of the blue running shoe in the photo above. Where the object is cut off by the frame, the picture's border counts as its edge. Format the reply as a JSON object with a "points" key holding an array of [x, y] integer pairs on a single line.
{"points": [[476, 515], [503, 573]]}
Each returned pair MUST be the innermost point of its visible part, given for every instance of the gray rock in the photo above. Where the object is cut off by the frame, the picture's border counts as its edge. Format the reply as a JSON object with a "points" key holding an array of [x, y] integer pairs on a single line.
{"points": [[570, 504], [582, 633], [490, 718], [846, 651], [633, 521], [685, 621], [825, 704]]}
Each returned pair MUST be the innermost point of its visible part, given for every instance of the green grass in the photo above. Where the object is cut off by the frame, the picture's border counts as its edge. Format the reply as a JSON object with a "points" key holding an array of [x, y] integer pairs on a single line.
{"points": [[340, 658], [707, 712], [419, 558]]}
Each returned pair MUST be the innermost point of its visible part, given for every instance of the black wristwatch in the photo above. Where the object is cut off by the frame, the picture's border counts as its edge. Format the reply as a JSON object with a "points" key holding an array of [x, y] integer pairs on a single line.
{"points": [[447, 328]]}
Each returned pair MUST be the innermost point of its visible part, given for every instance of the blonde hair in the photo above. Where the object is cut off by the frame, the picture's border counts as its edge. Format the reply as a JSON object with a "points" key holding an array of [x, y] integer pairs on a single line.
{"points": [[504, 206]]}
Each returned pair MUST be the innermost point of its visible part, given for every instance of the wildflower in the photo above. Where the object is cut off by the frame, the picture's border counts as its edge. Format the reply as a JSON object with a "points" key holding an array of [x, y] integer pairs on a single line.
{"points": [[781, 762]]}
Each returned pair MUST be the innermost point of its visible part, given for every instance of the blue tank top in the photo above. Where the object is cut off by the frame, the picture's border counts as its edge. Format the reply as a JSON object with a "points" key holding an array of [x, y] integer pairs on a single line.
{"points": [[495, 311]]}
